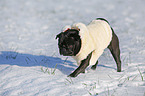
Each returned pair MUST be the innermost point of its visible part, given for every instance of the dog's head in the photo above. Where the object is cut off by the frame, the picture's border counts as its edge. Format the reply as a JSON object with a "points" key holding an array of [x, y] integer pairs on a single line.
{"points": [[69, 42]]}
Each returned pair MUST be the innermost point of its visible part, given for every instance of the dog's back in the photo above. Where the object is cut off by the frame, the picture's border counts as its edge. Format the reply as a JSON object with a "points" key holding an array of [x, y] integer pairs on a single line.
{"points": [[101, 33]]}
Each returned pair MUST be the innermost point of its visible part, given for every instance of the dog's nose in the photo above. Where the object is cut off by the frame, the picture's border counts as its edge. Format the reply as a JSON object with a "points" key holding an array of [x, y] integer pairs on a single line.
{"points": [[60, 52]]}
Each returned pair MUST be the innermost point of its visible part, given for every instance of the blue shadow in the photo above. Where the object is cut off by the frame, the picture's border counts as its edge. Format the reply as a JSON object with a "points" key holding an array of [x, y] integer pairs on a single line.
{"points": [[28, 60]]}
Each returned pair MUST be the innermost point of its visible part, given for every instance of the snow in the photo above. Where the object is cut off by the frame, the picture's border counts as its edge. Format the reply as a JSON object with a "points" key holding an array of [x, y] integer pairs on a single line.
{"points": [[30, 64]]}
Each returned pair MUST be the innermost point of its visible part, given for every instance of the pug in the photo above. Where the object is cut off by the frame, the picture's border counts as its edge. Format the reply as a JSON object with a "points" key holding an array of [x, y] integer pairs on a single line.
{"points": [[86, 43]]}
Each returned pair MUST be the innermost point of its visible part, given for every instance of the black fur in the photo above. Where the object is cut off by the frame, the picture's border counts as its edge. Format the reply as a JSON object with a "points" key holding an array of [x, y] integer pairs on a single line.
{"points": [[70, 44], [81, 69], [115, 51]]}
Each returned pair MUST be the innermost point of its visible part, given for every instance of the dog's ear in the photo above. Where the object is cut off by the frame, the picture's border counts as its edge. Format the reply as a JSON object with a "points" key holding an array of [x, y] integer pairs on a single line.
{"points": [[59, 35]]}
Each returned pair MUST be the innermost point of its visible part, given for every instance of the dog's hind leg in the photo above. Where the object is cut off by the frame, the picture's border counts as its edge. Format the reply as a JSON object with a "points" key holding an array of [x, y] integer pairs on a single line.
{"points": [[94, 66], [82, 67], [114, 49]]}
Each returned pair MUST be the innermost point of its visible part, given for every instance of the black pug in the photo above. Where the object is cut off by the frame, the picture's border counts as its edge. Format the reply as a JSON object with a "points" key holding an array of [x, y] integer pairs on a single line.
{"points": [[87, 43]]}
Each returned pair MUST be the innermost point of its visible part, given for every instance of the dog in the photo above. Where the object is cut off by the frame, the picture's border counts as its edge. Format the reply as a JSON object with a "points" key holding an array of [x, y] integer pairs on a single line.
{"points": [[86, 43]]}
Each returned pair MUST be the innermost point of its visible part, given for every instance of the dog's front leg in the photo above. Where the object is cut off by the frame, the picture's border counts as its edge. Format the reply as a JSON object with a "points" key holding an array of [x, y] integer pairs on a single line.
{"points": [[82, 67]]}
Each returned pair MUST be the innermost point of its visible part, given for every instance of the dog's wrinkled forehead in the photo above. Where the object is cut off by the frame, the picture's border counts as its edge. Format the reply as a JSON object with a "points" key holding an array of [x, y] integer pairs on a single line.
{"points": [[68, 33]]}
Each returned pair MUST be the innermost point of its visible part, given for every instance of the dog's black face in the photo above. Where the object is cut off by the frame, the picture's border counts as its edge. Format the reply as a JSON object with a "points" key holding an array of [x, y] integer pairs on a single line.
{"points": [[69, 42]]}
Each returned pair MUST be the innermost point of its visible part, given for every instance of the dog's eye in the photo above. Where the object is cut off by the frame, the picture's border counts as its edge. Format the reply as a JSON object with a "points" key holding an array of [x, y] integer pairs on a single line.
{"points": [[62, 46]]}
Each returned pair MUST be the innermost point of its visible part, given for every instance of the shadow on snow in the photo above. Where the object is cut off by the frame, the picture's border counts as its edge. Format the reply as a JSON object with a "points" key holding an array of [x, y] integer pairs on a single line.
{"points": [[28, 60]]}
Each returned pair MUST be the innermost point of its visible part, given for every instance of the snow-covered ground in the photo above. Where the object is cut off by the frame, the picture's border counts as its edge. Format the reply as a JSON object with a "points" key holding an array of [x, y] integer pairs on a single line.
{"points": [[30, 64]]}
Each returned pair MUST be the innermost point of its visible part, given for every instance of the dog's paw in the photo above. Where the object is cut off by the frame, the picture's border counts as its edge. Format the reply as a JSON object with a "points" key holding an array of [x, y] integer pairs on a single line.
{"points": [[118, 70], [93, 67], [72, 75]]}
